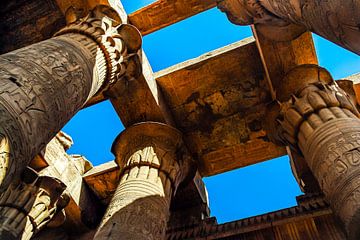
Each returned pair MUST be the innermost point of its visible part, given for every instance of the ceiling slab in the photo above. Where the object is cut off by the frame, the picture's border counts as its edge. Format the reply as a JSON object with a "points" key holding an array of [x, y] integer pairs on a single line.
{"points": [[218, 101]]}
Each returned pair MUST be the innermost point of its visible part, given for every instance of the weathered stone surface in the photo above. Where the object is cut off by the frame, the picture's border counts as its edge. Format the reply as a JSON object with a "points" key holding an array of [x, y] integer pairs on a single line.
{"points": [[311, 219], [335, 20], [103, 180], [27, 206], [153, 162], [26, 22], [320, 121], [83, 211], [45, 84], [219, 107], [161, 14], [280, 57]]}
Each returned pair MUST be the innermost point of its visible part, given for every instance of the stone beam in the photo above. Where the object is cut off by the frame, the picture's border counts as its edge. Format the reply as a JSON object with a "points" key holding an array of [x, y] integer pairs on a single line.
{"points": [[311, 218], [103, 180], [161, 14], [334, 20], [140, 99], [278, 57], [135, 99], [219, 107]]}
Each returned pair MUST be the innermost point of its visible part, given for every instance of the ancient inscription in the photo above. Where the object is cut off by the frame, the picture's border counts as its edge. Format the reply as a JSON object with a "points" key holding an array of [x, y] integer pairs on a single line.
{"points": [[42, 87]]}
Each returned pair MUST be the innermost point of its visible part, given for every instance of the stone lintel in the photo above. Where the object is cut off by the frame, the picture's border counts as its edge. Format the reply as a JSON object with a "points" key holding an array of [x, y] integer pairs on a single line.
{"points": [[161, 14], [135, 99], [279, 57]]}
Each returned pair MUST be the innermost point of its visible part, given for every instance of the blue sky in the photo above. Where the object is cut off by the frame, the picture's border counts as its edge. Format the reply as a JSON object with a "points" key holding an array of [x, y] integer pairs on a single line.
{"points": [[233, 195]]}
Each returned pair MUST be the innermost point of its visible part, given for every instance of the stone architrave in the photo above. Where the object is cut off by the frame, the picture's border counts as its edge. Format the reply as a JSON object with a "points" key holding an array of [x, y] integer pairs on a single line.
{"points": [[283, 20], [27, 206], [319, 120], [43, 85], [153, 162]]}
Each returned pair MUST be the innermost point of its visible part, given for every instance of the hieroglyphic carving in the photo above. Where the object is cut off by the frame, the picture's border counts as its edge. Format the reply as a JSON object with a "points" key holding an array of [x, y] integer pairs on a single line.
{"points": [[27, 206], [36, 94], [321, 122], [335, 20], [117, 44], [43, 85], [153, 162]]}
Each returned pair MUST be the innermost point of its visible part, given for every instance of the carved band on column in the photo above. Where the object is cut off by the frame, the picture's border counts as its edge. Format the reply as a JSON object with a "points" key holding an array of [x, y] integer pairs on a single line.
{"points": [[26, 207], [319, 120], [43, 85], [114, 44], [153, 162]]}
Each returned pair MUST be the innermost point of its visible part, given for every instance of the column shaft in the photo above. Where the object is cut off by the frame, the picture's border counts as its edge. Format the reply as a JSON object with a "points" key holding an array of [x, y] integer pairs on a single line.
{"points": [[153, 164], [319, 120], [43, 85]]}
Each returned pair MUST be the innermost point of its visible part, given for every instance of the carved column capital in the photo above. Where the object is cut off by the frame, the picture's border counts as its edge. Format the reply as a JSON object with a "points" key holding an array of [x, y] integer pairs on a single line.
{"points": [[319, 120], [153, 162], [156, 145], [285, 20], [307, 98], [246, 12], [117, 44], [27, 206], [44, 84]]}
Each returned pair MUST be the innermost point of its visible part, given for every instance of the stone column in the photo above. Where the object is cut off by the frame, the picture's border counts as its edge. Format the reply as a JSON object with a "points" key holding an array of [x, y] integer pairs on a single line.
{"points": [[337, 21], [43, 85], [27, 206], [153, 162], [302, 173], [318, 119]]}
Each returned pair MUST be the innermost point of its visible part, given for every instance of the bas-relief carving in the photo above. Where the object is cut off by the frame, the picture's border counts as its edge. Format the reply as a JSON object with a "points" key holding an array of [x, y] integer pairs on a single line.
{"points": [[321, 122], [140, 205], [45, 84], [27, 206], [36, 94], [329, 19], [84, 211], [152, 165]]}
